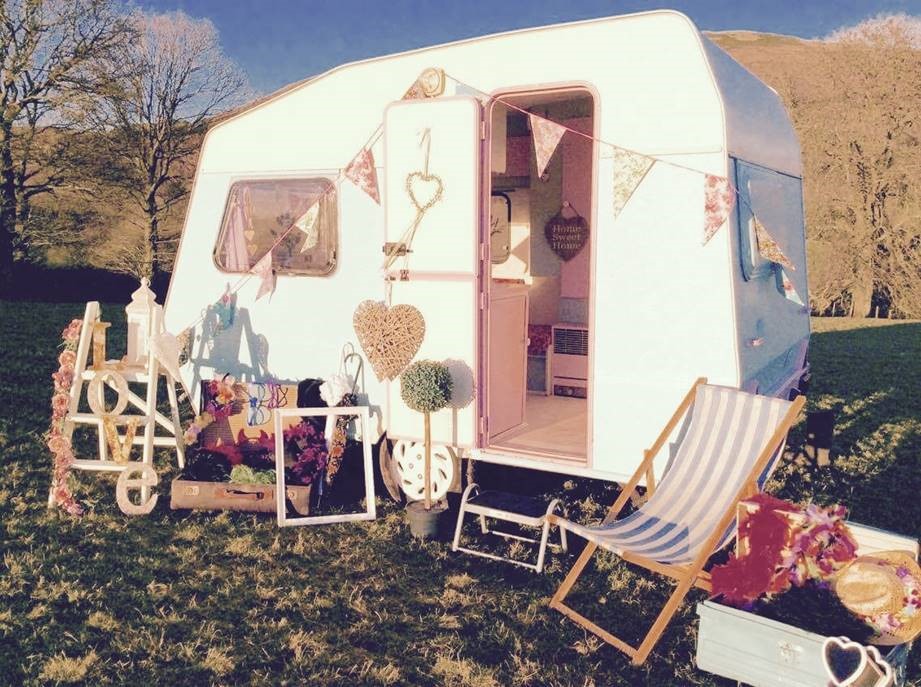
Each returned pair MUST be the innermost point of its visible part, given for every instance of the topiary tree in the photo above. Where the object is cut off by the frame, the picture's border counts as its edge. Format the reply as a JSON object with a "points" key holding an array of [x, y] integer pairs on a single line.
{"points": [[426, 387]]}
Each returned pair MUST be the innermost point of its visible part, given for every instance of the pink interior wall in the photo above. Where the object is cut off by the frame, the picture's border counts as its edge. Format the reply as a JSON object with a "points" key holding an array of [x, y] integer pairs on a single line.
{"points": [[577, 189]]}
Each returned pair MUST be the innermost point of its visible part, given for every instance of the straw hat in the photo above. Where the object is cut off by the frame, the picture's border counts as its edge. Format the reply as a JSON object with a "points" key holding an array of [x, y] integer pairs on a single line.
{"points": [[884, 590]]}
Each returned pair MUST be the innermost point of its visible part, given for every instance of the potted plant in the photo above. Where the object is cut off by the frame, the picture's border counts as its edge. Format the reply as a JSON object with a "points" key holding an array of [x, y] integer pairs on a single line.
{"points": [[426, 387]]}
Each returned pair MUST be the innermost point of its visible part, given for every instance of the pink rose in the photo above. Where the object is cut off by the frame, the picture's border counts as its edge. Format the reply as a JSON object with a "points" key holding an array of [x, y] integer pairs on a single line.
{"points": [[72, 331], [60, 402], [67, 359], [56, 444]]}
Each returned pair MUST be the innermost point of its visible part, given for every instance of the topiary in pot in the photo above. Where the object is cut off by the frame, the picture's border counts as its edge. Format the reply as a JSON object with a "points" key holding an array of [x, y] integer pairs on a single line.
{"points": [[426, 387]]}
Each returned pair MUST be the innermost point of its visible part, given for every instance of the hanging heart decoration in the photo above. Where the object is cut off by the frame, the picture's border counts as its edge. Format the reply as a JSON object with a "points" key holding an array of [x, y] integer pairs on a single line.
{"points": [[389, 336], [566, 235], [424, 190]]}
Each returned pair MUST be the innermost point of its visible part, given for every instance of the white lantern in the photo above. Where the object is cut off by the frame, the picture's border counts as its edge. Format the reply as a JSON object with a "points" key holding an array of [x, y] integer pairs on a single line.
{"points": [[143, 320]]}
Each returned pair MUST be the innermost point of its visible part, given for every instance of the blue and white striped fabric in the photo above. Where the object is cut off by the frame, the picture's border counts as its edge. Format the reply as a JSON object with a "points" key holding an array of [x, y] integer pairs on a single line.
{"points": [[727, 432]]}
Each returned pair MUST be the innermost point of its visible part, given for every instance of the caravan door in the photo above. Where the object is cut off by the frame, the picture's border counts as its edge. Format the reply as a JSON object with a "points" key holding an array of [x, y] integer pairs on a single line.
{"points": [[432, 152]]}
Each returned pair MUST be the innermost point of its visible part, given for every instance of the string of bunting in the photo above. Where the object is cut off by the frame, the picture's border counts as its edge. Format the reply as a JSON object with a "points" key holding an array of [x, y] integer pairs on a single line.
{"points": [[631, 167]]}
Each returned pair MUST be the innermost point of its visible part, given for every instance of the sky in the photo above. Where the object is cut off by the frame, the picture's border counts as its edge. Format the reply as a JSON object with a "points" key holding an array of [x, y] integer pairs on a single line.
{"points": [[277, 42]]}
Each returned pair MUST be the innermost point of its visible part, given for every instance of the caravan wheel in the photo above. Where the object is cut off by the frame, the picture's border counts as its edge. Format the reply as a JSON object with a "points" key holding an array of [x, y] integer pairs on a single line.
{"points": [[410, 459]]}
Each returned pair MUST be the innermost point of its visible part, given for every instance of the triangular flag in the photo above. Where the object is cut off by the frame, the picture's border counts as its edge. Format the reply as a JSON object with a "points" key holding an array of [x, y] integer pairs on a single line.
{"points": [[307, 223], [629, 170], [768, 247], [166, 349], [789, 291], [547, 137], [263, 270], [719, 199], [362, 173]]}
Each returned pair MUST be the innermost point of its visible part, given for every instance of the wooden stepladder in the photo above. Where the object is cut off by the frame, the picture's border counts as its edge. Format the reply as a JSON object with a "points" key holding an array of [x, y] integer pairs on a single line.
{"points": [[119, 431]]}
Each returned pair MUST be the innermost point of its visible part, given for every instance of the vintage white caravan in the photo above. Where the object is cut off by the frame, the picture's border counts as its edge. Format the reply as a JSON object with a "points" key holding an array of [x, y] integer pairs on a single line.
{"points": [[639, 313]]}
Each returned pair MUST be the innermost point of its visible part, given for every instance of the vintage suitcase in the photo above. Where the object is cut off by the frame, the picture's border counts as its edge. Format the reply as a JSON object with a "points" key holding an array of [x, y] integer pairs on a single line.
{"points": [[258, 498]]}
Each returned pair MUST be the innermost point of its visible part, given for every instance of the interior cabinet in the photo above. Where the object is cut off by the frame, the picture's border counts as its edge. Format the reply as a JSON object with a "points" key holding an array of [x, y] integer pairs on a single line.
{"points": [[508, 362]]}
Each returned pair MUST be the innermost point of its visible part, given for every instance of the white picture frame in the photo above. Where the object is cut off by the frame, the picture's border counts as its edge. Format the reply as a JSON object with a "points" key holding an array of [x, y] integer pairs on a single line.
{"points": [[364, 418]]}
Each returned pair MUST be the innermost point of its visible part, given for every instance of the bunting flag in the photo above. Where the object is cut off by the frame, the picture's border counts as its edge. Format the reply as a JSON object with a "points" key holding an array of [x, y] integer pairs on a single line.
{"points": [[789, 291], [167, 349], [719, 199], [547, 137], [307, 224], [629, 170], [768, 247], [263, 270], [362, 173]]}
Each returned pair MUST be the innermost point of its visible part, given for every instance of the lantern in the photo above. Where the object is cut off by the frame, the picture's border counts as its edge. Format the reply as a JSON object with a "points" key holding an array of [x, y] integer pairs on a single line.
{"points": [[143, 315]]}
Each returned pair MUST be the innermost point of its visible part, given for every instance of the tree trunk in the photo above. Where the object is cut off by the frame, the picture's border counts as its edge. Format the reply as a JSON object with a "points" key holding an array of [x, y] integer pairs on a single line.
{"points": [[862, 299], [150, 248], [7, 208], [427, 469]]}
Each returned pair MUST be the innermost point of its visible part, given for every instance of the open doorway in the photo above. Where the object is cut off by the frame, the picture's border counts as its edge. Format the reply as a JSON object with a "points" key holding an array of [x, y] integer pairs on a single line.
{"points": [[537, 335]]}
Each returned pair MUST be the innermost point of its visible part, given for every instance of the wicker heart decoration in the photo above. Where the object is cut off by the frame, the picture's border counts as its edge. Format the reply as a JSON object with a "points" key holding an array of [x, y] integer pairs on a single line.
{"points": [[389, 337], [424, 190], [566, 235]]}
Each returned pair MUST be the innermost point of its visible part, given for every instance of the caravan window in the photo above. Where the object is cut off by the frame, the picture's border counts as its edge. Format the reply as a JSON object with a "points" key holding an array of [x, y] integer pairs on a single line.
{"points": [[296, 219], [777, 200]]}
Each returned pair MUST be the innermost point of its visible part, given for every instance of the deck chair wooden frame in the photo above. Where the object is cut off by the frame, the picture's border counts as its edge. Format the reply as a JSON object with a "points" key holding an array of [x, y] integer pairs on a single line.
{"points": [[686, 576]]}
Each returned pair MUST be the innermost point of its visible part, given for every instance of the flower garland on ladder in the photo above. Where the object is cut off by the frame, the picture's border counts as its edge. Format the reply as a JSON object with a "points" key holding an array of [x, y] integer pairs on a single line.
{"points": [[58, 443]]}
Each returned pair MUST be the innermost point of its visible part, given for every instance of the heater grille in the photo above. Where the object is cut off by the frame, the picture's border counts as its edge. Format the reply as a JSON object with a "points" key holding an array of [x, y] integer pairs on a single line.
{"points": [[570, 341]]}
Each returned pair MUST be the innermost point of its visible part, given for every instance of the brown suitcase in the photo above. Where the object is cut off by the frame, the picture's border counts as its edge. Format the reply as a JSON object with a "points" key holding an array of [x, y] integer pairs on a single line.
{"points": [[258, 498]]}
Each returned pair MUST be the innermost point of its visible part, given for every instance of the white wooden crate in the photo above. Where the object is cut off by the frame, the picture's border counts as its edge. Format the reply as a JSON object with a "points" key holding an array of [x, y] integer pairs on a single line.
{"points": [[767, 653]]}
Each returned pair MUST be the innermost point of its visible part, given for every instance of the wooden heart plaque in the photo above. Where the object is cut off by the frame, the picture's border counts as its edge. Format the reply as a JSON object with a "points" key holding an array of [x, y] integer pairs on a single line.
{"points": [[566, 235]]}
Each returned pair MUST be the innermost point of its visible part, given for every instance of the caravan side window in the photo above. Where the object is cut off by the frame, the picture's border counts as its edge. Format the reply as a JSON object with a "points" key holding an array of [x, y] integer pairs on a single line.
{"points": [[299, 215], [777, 200]]}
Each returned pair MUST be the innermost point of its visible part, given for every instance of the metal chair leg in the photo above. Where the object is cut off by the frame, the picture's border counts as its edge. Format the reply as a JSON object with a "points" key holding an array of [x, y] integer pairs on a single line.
{"points": [[460, 515]]}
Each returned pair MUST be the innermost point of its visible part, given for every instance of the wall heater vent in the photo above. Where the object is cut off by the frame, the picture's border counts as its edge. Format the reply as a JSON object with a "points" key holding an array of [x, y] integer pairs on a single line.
{"points": [[569, 366]]}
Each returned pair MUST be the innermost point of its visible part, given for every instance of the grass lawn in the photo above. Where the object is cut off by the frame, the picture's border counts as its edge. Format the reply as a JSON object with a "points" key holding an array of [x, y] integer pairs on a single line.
{"points": [[182, 598]]}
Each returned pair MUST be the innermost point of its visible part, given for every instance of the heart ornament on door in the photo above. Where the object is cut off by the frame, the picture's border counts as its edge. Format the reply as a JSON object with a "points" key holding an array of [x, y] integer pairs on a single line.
{"points": [[424, 190], [389, 336], [566, 235]]}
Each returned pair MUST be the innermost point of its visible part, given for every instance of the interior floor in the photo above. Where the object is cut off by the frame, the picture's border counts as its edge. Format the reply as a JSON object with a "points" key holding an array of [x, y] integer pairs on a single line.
{"points": [[553, 425]]}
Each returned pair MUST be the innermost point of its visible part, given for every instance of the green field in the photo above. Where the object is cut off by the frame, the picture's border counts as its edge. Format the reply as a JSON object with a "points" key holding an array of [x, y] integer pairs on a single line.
{"points": [[196, 599]]}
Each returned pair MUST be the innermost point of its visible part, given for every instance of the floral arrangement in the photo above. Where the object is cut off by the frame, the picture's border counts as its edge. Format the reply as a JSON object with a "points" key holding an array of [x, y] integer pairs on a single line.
{"points": [[784, 546], [59, 444], [222, 394], [309, 446]]}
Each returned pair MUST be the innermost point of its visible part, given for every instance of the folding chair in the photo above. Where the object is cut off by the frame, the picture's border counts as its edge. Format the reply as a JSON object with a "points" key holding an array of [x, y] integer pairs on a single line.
{"points": [[727, 452], [523, 510]]}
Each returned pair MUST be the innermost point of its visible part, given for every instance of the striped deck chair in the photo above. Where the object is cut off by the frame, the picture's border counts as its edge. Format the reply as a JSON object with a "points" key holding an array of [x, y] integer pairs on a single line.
{"points": [[727, 451]]}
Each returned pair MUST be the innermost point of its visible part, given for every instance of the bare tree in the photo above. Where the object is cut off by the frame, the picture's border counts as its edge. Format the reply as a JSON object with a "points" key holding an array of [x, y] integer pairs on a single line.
{"points": [[179, 79], [48, 49], [870, 161]]}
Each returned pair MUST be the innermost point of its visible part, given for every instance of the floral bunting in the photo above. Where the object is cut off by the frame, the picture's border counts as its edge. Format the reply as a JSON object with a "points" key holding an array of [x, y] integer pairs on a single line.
{"points": [[58, 442], [719, 199], [307, 225], [768, 247], [788, 290], [362, 173], [547, 136], [629, 170], [263, 270]]}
